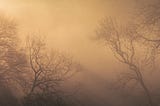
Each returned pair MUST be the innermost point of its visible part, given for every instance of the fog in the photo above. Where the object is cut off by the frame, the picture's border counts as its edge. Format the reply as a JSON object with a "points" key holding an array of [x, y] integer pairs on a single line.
{"points": [[70, 26]]}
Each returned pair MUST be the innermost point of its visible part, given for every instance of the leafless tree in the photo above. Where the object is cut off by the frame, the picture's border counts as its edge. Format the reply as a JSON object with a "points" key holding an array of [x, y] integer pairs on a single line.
{"points": [[149, 27], [37, 70], [123, 41], [10, 57], [46, 69]]}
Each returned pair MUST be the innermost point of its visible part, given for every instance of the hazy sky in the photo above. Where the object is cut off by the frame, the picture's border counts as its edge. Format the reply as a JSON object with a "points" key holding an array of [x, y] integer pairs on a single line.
{"points": [[69, 26]]}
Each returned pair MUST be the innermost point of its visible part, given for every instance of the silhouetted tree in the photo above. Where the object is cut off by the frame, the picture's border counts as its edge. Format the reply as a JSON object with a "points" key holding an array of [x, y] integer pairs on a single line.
{"points": [[149, 26], [10, 57], [123, 41], [45, 72]]}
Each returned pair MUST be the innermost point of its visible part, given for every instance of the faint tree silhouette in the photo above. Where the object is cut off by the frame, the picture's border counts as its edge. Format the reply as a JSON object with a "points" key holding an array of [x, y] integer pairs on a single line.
{"points": [[123, 41], [11, 59], [149, 26], [46, 69], [38, 71]]}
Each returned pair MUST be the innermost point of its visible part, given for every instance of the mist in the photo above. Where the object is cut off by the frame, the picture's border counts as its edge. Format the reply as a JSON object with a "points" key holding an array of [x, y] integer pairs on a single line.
{"points": [[70, 28]]}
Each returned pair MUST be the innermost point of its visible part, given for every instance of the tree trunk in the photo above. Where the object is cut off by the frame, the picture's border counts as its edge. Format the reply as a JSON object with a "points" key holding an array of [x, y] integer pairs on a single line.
{"points": [[143, 85], [147, 92]]}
